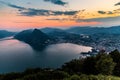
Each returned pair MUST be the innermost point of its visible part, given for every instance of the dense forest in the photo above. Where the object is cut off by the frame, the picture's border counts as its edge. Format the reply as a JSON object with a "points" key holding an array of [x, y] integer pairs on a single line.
{"points": [[103, 66]]}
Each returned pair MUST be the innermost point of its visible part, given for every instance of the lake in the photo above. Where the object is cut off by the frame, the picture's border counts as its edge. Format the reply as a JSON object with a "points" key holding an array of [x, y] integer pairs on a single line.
{"points": [[17, 56]]}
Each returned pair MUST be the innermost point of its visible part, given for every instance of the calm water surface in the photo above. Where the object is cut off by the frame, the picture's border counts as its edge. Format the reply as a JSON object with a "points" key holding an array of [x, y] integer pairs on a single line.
{"points": [[17, 56]]}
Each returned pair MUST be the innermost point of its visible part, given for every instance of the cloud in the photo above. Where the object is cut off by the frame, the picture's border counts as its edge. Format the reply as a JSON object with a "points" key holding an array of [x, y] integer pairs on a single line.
{"points": [[104, 19], [59, 19], [106, 12], [43, 12], [101, 12], [117, 11], [110, 12], [79, 15], [117, 4], [38, 12], [57, 2], [13, 6], [64, 12], [74, 16], [99, 20]]}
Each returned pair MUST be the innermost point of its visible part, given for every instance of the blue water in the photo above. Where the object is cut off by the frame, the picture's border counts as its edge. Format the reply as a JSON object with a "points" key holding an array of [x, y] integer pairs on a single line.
{"points": [[17, 56]]}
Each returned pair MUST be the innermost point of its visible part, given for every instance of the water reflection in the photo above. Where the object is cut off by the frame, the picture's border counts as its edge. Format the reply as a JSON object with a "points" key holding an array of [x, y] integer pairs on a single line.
{"points": [[17, 56]]}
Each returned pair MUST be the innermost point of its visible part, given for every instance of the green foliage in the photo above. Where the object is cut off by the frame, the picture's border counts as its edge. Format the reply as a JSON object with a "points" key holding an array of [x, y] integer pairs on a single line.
{"points": [[101, 64], [60, 74], [105, 64], [88, 66], [10, 76], [32, 71], [92, 77], [116, 70], [73, 67], [104, 77], [75, 77], [46, 75], [116, 58]]}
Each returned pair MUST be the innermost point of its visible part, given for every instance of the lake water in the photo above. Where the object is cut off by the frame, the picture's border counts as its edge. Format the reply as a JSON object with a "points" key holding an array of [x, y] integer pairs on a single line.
{"points": [[17, 56]]}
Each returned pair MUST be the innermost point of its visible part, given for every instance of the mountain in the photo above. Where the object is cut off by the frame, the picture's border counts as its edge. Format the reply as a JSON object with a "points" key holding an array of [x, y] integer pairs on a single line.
{"points": [[40, 38], [107, 38], [62, 36], [4, 33], [98, 38], [36, 38], [54, 32], [49, 30], [94, 30]]}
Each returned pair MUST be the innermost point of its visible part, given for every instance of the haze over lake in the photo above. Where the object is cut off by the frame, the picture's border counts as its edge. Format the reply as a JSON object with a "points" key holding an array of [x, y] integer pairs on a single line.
{"points": [[17, 56]]}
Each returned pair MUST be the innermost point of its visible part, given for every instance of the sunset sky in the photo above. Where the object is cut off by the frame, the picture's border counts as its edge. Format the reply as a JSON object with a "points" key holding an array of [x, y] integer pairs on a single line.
{"points": [[25, 14]]}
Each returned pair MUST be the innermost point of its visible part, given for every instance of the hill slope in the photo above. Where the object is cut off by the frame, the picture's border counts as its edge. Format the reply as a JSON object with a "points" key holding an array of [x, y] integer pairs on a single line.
{"points": [[36, 38]]}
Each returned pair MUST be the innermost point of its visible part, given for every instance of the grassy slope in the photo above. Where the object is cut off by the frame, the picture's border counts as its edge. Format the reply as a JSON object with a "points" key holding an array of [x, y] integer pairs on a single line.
{"points": [[92, 77]]}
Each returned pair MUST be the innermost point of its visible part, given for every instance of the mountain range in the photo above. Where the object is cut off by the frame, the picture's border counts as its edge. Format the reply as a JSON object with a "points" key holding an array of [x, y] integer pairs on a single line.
{"points": [[94, 30], [96, 37], [4, 33]]}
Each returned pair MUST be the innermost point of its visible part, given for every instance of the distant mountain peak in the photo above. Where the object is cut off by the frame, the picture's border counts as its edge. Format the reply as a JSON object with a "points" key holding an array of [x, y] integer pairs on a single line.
{"points": [[37, 31], [36, 38]]}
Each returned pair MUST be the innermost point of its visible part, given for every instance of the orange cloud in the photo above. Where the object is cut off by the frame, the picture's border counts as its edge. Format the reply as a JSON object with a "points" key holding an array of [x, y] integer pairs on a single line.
{"points": [[10, 21]]}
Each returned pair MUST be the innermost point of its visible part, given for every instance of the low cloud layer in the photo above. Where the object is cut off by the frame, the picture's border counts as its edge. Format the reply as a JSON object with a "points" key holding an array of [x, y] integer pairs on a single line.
{"points": [[38, 12], [117, 4], [57, 2], [43, 12], [101, 12], [105, 12]]}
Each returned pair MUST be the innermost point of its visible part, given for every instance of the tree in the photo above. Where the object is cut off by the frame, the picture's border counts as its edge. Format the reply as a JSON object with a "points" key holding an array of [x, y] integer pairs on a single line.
{"points": [[89, 66], [116, 58], [73, 67], [75, 77], [105, 64], [60, 75]]}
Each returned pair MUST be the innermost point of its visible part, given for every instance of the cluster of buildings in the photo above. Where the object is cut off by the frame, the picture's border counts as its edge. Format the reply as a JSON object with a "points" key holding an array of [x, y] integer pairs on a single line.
{"points": [[93, 52]]}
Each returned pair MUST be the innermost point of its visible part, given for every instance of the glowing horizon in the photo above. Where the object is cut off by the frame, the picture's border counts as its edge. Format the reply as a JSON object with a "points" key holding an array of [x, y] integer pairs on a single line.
{"points": [[39, 14]]}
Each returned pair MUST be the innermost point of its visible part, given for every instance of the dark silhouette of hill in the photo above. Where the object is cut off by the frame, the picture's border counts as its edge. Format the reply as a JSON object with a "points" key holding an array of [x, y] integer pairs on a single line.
{"points": [[36, 38], [95, 30], [49, 30], [88, 36], [4, 33]]}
